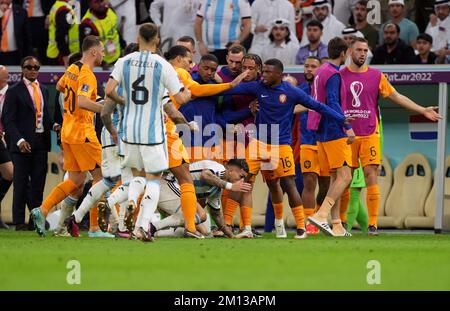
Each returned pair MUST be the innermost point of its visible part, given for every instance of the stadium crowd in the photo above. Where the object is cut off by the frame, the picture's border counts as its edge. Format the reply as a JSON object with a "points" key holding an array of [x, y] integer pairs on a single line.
{"points": [[276, 33], [52, 30]]}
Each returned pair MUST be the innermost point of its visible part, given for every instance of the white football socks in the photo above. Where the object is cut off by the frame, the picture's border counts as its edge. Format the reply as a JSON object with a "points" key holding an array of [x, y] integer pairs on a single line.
{"points": [[67, 206], [136, 187], [149, 203], [123, 208], [94, 195], [174, 220], [119, 196]]}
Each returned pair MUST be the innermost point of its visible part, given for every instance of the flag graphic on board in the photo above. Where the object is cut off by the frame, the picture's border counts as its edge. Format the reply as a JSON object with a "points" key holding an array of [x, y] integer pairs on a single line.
{"points": [[422, 129]]}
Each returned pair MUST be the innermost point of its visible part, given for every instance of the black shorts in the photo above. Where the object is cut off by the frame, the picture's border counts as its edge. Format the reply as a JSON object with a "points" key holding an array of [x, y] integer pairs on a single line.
{"points": [[4, 153]]}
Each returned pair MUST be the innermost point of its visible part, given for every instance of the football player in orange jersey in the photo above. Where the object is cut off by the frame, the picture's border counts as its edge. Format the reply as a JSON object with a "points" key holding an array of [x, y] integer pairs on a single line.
{"points": [[82, 150]]}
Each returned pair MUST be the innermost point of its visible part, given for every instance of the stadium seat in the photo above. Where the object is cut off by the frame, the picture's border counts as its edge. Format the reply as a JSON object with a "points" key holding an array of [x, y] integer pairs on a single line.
{"points": [[427, 221], [412, 184]]}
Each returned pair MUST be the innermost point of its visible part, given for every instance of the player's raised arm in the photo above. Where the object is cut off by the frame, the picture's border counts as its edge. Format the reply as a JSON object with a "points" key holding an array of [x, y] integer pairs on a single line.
{"points": [[248, 88], [405, 102], [202, 90], [309, 102]]}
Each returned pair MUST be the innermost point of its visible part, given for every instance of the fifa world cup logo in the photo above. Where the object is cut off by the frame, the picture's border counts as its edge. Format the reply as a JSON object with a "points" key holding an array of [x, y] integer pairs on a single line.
{"points": [[356, 88]]}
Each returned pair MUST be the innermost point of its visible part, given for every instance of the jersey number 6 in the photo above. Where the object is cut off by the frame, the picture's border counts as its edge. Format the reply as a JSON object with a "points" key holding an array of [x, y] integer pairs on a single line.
{"points": [[141, 89]]}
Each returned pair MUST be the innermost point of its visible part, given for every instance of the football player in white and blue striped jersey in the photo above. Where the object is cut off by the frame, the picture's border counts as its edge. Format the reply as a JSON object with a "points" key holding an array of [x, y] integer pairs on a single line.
{"points": [[209, 178], [146, 79], [224, 21]]}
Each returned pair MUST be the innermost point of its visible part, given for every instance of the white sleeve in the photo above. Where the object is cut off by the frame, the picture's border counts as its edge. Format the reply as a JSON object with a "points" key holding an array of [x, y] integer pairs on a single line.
{"points": [[170, 79], [117, 73], [155, 12], [202, 8], [166, 98], [214, 199], [245, 9]]}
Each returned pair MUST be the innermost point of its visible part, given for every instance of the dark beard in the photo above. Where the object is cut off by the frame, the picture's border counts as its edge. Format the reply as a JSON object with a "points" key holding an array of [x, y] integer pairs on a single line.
{"points": [[358, 64], [309, 80]]}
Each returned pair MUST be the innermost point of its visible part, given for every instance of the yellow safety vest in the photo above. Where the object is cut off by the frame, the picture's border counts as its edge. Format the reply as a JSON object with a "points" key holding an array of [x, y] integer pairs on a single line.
{"points": [[74, 40], [108, 33]]}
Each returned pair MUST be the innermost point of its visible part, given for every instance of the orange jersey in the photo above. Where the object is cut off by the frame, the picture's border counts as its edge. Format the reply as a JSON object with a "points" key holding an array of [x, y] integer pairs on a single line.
{"points": [[197, 89], [78, 124]]}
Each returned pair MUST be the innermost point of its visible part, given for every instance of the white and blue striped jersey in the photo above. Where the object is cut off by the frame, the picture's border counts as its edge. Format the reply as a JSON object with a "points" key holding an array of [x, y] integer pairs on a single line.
{"points": [[222, 20], [145, 78], [106, 138], [116, 118], [202, 189]]}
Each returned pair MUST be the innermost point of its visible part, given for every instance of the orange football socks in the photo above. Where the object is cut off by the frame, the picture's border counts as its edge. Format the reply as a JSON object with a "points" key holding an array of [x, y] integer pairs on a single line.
{"points": [[59, 193], [299, 216], [246, 215], [93, 219], [229, 210], [373, 203], [278, 210], [189, 205], [308, 212]]}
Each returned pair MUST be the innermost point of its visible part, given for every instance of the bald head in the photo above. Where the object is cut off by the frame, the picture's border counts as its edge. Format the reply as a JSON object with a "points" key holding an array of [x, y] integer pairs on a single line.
{"points": [[3, 76]]}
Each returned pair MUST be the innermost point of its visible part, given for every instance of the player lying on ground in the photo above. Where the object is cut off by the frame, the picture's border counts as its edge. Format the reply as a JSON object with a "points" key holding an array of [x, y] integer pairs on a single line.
{"points": [[210, 178]]}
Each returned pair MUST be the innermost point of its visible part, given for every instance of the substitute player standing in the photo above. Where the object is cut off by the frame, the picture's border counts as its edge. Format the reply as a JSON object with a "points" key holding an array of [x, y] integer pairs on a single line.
{"points": [[146, 77], [334, 150], [271, 152], [309, 158], [363, 86], [82, 150]]}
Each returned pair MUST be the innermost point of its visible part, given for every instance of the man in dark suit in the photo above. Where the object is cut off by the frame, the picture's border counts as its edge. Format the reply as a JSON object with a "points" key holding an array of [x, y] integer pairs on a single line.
{"points": [[15, 40], [27, 124]]}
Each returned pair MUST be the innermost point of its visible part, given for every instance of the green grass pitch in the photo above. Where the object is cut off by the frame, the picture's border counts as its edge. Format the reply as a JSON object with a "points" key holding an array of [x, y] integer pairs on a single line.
{"points": [[407, 262]]}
